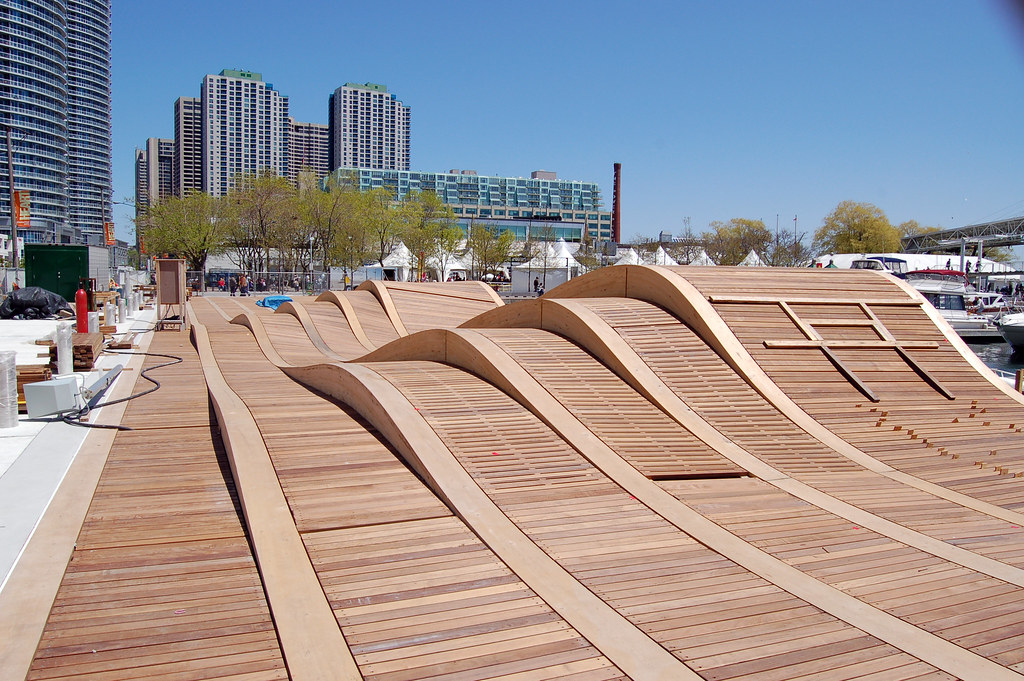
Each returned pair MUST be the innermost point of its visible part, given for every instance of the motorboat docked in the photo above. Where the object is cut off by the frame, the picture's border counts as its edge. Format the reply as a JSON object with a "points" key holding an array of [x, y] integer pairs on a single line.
{"points": [[1011, 327], [881, 263], [947, 291]]}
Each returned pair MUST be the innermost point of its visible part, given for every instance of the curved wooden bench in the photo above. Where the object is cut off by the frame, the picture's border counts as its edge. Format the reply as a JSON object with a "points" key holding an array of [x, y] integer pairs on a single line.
{"points": [[468, 349], [392, 414], [344, 304], [313, 645]]}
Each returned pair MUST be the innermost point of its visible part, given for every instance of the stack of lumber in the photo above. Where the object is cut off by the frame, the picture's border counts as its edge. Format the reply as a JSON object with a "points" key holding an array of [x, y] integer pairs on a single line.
{"points": [[30, 373], [85, 349]]}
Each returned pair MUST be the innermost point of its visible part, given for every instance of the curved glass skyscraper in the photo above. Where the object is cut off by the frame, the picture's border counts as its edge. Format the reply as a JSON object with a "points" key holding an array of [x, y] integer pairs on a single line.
{"points": [[55, 99], [89, 117]]}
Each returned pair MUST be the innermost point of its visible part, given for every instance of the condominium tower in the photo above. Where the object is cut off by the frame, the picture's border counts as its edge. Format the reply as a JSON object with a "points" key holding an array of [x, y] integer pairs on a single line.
{"points": [[369, 128], [244, 129], [55, 101], [187, 173], [89, 157], [307, 149], [154, 170]]}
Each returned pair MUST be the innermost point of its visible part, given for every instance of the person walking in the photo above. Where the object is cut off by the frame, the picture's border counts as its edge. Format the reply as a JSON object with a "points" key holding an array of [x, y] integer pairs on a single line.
{"points": [[232, 284], [243, 285]]}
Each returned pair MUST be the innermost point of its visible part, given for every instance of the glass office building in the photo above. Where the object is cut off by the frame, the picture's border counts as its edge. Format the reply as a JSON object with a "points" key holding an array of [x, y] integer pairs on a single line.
{"points": [[541, 197]]}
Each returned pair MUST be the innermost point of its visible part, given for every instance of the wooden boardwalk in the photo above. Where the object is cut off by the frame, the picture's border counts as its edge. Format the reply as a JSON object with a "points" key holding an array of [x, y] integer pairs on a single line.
{"points": [[648, 473], [162, 583]]}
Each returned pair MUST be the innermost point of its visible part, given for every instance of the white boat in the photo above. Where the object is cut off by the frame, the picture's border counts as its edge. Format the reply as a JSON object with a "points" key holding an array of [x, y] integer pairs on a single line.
{"points": [[947, 291], [1011, 327]]}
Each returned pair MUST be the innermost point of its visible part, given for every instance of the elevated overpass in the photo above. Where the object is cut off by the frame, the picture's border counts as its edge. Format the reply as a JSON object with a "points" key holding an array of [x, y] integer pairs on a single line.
{"points": [[1007, 232]]}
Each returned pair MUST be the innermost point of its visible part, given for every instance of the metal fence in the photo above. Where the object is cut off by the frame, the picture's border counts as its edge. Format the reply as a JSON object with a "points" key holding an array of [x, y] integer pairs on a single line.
{"points": [[301, 283]]}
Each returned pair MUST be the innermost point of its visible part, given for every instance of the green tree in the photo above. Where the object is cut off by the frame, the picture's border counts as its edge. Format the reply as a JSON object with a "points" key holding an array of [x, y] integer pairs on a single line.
{"points": [[267, 212], [385, 220], [193, 227], [856, 228], [728, 243], [425, 221], [488, 248], [322, 209]]}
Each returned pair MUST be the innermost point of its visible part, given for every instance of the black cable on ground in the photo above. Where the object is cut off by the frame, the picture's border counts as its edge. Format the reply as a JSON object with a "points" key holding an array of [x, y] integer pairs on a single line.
{"points": [[72, 419]]}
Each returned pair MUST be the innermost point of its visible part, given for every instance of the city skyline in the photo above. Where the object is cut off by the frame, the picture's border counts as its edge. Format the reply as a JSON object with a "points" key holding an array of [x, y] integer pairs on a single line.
{"points": [[717, 112]]}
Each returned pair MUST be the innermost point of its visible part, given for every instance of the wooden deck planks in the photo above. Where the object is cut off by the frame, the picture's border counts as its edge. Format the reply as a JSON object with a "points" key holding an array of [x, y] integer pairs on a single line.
{"points": [[162, 582], [344, 485], [623, 532]]}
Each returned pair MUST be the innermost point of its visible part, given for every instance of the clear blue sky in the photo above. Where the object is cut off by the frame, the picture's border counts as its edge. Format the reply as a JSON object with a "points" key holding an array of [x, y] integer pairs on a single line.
{"points": [[716, 110]]}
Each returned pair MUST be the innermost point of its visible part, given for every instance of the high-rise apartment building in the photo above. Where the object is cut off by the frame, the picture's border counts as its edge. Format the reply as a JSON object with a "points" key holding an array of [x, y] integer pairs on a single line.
{"points": [[307, 149], [187, 174], [369, 128], [55, 100], [89, 156], [244, 131], [154, 172]]}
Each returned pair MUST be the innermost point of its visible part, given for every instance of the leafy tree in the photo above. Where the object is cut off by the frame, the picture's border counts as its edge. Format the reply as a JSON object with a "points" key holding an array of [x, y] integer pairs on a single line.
{"points": [[587, 254], [267, 212], [192, 227], [729, 242], [856, 228], [384, 221], [488, 248], [425, 221], [323, 211]]}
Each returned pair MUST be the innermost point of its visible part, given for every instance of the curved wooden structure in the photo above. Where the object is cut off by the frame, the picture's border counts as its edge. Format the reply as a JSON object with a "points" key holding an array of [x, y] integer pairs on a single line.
{"points": [[648, 473]]}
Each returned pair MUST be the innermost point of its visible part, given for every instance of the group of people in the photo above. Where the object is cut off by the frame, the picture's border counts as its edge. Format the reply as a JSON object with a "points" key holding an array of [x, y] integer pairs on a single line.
{"points": [[242, 285]]}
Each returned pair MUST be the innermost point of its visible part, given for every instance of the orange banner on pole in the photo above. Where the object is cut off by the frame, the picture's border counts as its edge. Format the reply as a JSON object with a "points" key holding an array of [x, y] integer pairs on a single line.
{"points": [[142, 245], [108, 231], [23, 208]]}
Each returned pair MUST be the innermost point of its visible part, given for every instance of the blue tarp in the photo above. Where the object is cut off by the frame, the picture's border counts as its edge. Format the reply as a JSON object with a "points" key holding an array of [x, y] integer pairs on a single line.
{"points": [[273, 302]]}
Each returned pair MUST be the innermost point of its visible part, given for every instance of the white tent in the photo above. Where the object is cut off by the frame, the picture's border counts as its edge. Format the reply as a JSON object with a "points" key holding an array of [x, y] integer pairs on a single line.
{"points": [[628, 257], [752, 260], [661, 257], [702, 259], [554, 264], [398, 264]]}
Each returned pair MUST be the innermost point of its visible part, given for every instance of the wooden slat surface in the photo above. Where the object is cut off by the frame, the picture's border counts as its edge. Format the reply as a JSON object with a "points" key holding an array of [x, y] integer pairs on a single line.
{"points": [[162, 583], [698, 375], [662, 580], [435, 306], [632, 426], [416, 594]]}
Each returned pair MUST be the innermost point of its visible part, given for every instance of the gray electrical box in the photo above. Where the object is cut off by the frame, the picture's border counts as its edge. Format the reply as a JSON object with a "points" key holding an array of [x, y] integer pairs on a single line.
{"points": [[56, 396]]}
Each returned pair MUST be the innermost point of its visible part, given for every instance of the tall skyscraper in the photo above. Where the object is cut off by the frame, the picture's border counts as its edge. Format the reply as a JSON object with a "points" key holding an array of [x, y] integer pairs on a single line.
{"points": [[245, 129], [307, 149], [187, 174], [369, 128], [154, 169], [55, 99], [89, 157]]}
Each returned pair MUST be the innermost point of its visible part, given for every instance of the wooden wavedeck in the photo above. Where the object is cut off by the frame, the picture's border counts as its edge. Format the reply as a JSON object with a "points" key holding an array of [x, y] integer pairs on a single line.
{"points": [[648, 473]]}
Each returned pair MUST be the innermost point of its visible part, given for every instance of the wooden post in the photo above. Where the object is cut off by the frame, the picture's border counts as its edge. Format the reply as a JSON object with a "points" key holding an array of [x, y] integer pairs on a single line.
{"points": [[1018, 384]]}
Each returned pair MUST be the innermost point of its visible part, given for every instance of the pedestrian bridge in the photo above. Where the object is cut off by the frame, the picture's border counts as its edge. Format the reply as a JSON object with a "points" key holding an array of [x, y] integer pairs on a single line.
{"points": [[1007, 232]]}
